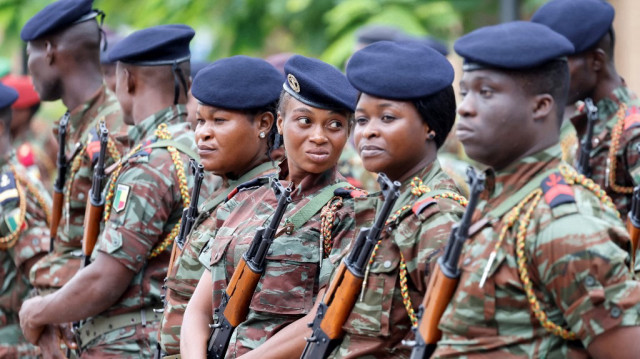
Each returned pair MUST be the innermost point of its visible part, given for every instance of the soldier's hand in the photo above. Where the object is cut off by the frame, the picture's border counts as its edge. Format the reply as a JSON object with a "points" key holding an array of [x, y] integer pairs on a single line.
{"points": [[49, 343], [31, 330]]}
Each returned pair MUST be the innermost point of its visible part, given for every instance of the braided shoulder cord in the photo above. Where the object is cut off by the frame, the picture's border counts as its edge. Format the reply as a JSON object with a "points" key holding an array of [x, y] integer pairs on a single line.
{"points": [[417, 189], [326, 223], [616, 133], [10, 240], [38, 196]]}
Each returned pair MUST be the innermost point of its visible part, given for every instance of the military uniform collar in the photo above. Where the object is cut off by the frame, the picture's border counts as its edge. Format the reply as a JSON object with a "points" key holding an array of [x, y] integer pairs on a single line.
{"points": [[309, 184], [169, 115], [77, 115]]}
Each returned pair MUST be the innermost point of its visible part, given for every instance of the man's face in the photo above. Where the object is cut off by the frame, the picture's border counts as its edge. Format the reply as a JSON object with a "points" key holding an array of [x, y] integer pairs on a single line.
{"points": [[583, 79], [495, 117], [46, 80]]}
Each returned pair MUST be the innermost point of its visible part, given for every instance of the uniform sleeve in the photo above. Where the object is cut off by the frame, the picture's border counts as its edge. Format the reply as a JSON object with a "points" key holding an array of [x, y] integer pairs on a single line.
{"points": [[585, 273], [142, 203], [633, 156]]}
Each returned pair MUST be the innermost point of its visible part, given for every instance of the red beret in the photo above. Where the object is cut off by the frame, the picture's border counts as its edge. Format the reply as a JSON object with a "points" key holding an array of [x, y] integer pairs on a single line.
{"points": [[27, 95]]}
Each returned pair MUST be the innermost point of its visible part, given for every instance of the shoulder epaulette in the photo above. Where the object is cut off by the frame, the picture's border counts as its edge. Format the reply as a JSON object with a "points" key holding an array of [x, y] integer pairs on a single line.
{"points": [[25, 155], [556, 191], [252, 184], [145, 150], [93, 145], [632, 118], [8, 188], [422, 204], [349, 192]]}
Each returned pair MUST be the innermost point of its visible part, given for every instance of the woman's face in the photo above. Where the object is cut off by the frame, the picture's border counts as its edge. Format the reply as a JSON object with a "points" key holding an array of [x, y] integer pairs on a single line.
{"points": [[313, 138], [228, 141], [390, 135]]}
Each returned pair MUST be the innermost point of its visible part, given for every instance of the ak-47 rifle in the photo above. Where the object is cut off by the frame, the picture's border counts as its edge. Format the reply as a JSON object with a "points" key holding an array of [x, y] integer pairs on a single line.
{"points": [[58, 185], [444, 278], [95, 207], [234, 307], [584, 167], [633, 223], [343, 291]]}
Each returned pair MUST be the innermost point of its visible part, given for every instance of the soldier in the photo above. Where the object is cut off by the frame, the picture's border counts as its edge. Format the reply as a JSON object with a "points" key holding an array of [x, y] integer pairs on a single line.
{"points": [[542, 273], [314, 112], [225, 120], [614, 159], [145, 196], [24, 234], [63, 42]]}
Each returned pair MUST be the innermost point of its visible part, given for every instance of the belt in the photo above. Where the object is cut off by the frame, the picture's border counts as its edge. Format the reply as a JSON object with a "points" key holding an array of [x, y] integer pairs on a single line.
{"points": [[100, 325]]}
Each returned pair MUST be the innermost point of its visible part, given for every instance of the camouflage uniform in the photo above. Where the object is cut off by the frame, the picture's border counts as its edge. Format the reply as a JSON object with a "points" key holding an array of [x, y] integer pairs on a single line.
{"points": [[33, 241], [55, 269], [142, 216], [378, 323], [621, 107], [572, 258], [183, 278], [36, 151], [296, 266]]}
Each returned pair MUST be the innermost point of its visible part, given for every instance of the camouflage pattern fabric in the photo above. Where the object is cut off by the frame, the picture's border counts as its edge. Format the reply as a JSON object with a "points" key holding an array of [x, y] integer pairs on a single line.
{"points": [[295, 267], [379, 322], [36, 150], [576, 266], [140, 219], [55, 269], [183, 278], [351, 167], [32, 242], [627, 172]]}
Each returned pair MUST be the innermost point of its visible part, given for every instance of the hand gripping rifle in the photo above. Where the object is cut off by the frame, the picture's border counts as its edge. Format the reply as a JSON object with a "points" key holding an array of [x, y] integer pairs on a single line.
{"points": [[444, 278], [584, 167], [58, 185], [95, 208], [343, 291], [234, 307]]}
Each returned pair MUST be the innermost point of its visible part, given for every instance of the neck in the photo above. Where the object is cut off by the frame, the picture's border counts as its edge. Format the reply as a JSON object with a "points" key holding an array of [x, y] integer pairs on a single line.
{"points": [[540, 145], [257, 161], [79, 86], [149, 103], [427, 159]]}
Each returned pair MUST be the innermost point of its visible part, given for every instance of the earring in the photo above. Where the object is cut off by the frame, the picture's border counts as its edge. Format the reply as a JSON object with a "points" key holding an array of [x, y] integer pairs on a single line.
{"points": [[431, 135], [262, 135]]}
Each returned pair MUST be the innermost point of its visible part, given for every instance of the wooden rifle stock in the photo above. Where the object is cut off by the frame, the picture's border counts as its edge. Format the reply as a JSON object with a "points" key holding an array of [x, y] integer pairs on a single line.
{"points": [[343, 291], [444, 279], [58, 185], [56, 215]]}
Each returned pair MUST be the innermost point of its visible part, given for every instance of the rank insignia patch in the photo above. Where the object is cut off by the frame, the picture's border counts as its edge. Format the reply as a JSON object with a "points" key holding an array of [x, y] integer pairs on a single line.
{"points": [[8, 189], [121, 197], [556, 190], [93, 145]]}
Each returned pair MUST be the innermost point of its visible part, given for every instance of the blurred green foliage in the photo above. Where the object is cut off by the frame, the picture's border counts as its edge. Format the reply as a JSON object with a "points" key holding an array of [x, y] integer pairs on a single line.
{"points": [[322, 28]]}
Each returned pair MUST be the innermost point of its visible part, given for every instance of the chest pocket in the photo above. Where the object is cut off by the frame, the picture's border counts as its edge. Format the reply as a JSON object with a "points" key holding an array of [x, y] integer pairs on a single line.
{"points": [[371, 315]]}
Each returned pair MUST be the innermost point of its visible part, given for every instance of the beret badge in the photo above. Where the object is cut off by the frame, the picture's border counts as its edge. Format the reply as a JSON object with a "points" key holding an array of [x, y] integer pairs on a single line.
{"points": [[293, 83]]}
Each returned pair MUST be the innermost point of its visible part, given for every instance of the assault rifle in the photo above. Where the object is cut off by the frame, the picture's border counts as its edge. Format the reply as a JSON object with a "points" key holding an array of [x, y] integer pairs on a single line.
{"points": [[343, 291], [234, 307], [444, 278], [58, 185], [633, 224], [584, 167], [190, 214]]}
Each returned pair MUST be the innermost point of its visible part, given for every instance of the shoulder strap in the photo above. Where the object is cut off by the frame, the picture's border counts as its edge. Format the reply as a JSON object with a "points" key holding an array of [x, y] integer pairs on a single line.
{"points": [[178, 146], [313, 206]]}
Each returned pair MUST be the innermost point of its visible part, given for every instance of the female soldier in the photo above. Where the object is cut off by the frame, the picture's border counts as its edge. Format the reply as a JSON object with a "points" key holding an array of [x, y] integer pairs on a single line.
{"points": [[405, 112], [224, 120], [313, 117]]}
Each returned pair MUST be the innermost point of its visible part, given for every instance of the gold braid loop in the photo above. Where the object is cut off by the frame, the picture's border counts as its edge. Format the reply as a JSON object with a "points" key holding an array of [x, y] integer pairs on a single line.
{"points": [[417, 189], [572, 177], [326, 223], [616, 133], [38, 195], [10, 240]]}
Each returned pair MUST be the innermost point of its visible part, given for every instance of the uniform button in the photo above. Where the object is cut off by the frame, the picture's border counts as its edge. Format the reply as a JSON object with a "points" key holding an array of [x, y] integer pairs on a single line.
{"points": [[589, 281], [81, 196], [139, 258], [467, 261], [615, 312], [309, 255], [387, 264], [595, 142], [35, 241], [56, 280], [270, 252], [288, 252]]}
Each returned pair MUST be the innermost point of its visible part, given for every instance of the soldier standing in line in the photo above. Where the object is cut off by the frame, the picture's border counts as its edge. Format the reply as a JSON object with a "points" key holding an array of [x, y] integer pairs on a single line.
{"points": [[146, 194], [231, 110], [63, 41], [615, 158], [24, 234], [542, 273]]}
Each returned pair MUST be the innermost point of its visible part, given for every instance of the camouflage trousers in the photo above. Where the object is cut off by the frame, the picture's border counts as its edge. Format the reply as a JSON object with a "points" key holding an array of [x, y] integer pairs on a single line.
{"points": [[135, 341], [13, 345]]}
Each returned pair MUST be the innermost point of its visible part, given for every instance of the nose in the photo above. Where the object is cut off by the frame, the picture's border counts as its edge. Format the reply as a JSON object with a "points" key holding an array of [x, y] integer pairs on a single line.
{"points": [[204, 132], [318, 135], [466, 108], [370, 129]]}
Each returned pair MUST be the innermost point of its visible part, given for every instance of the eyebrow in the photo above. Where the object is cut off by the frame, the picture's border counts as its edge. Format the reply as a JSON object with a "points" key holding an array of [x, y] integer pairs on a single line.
{"points": [[383, 105], [302, 109]]}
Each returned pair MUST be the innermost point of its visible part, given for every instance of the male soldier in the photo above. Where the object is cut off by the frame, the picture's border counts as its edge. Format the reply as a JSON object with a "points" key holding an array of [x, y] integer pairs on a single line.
{"points": [[34, 142], [63, 42], [145, 197], [614, 159], [542, 274]]}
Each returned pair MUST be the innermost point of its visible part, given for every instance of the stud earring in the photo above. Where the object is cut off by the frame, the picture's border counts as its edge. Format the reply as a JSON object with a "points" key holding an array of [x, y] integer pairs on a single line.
{"points": [[431, 135], [262, 135]]}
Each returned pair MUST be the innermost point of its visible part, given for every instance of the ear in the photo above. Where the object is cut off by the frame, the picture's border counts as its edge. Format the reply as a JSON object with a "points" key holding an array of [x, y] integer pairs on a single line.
{"points": [[264, 121], [129, 80], [543, 105], [427, 133], [49, 51], [598, 59], [279, 123]]}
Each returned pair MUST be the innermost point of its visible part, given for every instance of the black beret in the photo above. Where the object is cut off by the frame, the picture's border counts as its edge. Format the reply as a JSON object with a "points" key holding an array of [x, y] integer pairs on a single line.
{"points": [[238, 83], [196, 66], [158, 45], [7, 96], [399, 70], [57, 16], [583, 22], [513, 45], [318, 84]]}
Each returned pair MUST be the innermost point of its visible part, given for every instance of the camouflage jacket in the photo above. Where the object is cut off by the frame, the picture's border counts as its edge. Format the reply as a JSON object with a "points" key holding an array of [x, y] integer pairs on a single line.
{"points": [[183, 278], [379, 322], [571, 254], [146, 206], [31, 233], [623, 106], [55, 269], [36, 149], [296, 266]]}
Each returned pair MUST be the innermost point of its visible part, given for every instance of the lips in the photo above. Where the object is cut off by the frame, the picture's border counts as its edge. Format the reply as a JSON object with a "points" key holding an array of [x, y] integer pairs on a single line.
{"points": [[370, 151], [317, 155], [463, 133], [206, 150]]}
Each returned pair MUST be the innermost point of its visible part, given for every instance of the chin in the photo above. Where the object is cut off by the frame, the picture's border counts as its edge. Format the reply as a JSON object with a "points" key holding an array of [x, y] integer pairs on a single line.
{"points": [[374, 166]]}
